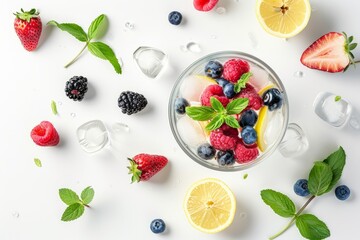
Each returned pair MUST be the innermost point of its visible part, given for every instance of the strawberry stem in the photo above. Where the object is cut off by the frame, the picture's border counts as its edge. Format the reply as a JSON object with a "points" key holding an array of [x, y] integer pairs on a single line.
{"points": [[358, 61], [77, 56]]}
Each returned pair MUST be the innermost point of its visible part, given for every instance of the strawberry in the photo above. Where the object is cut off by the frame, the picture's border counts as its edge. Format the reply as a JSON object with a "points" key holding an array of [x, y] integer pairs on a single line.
{"points": [[330, 53], [28, 27], [143, 166], [45, 134]]}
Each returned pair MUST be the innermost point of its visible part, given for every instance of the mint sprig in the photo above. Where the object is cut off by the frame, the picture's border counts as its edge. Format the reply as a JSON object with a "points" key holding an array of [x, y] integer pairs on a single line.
{"points": [[217, 113], [241, 83], [76, 206], [98, 49], [322, 178]]}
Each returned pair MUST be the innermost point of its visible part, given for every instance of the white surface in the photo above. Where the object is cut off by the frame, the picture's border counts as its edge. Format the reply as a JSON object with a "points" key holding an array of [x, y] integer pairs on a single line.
{"points": [[124, 211]]}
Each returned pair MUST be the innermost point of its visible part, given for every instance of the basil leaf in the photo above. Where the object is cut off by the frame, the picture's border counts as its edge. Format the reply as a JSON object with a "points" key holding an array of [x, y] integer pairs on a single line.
{"points": [[217, 105], [96, 27], [320, 178], [68, 196], [87, 195], [217, 121], [236, 106], [71, 28], [232, 122], [279, 203], [311, 227], [73, 212], [103, 51], [200, 113], [241, 83], [336, 162]]}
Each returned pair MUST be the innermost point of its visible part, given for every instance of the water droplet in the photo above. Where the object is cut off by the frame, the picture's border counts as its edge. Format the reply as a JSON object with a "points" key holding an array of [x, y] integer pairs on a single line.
{"points": [[298, 74], [183, 48], [193, 47], [220, 10], [354, 123], [213, 37], [243, 215], [120, 127], [59, 103], [129, 26], [253, 40], [73, 115], [15, 214]]}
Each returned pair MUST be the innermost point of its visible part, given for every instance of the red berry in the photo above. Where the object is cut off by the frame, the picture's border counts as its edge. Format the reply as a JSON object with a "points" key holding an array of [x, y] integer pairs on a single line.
{"points": [[249, 92], [143, 166], [45, 134], [224, 138], [205, 5], [245, 154], [234, 68], [213, 91]]}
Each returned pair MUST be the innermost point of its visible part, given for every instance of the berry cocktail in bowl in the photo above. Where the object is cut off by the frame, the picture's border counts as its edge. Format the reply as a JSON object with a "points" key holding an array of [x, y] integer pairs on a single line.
{"points": [[228, 111]]}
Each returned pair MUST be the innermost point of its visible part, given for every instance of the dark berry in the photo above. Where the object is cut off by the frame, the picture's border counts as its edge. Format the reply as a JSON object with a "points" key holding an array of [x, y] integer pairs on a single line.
{"points": [[301, 187], [180, 105], [248, 135], [342, 192], [273, 98], [131, 102], [206, 151], [213, 69], [225, 158], [229, 90], [222, 82], [248, 118], [175, 18], [76, 88], [157, 226]]}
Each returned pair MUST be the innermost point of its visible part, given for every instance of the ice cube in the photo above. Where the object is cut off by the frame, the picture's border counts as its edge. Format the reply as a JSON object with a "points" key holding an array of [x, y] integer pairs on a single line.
{"points": [[260, 78], [190, 131], [273, 127], [193, 85]]}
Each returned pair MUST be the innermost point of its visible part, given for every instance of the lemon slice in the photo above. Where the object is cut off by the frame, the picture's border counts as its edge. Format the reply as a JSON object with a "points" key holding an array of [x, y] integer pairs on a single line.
{"points": [[283, 18], [260, 128], [210, 205], [261, 91]]}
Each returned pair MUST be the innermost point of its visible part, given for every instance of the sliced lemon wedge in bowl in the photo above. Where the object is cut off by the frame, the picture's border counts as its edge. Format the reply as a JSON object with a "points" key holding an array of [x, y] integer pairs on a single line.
{"points": [[260, 128]]}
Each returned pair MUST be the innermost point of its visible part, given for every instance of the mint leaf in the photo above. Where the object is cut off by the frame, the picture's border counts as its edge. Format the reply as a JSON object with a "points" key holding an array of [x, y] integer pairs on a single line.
{"points": [[336, 162], [215, 123], [71, 28], [87, 195], [54, 108], [311, 227], [279, 203], [236, 106], [320, 178], [73, 212], [37, 162], [232, 122], [68, 196], [96, 26], [103, 51], [200, 113], [337, 98], [241, 83], [217, 105]]}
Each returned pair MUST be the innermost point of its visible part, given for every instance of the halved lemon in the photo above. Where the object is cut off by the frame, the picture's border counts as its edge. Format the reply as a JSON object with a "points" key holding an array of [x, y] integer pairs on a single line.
{"points": [[283, 18], [260, 128], [210, 205]]}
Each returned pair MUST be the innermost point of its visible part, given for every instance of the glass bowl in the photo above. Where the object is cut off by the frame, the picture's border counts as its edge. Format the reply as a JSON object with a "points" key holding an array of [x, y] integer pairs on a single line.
{"points": [[189, 133]]}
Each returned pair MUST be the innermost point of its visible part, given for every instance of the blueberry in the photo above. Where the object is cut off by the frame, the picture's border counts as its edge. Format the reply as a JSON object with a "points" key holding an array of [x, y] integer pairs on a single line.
{"points": [[228, 90], [157, 226], [225, 158], [180, 105], [248, 135], [342, 192], [222, 82], [175, 18], [206, 151], [248, 118], [213, 69], [273, 98], [301, 187]]}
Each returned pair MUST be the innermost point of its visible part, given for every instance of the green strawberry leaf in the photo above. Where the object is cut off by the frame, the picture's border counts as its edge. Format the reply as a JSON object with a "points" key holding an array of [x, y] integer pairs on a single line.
{"points": [[68, 196], [134, 171], [96, 27], [310, 227], [232, 122], [320, 178], [217, 105], [241, 83], [103, 51], [236, 106], [200, 113], [279, 203], [72, 28], [73, 212], [336, 162], [352, 46], [215, 123], [87, 195]]}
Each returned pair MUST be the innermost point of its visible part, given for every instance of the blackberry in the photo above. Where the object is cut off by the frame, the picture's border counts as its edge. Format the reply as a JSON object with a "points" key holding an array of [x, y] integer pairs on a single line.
{"points": [[131, 102], [76, 88]]}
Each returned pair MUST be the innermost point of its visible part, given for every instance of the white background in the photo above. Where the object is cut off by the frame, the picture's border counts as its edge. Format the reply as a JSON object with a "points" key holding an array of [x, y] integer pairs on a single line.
{"points": [[120, 210]]}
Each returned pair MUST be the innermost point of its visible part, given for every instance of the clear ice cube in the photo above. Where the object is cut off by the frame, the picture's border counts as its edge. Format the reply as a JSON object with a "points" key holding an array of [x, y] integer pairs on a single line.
{"points": [[92, 136], [150, 60], [260, 78], [193, 85], [273, 126], [190, 131]]}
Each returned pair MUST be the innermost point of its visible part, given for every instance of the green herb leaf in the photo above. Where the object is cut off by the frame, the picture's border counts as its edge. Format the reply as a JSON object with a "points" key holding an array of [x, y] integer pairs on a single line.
{"points": [[203, 113], [87, 195], [54, 108], [96, 26], [245, 176], [350, 39], [320, 178], [73, 212], [352, 46], [236, 106], [241, 83], [68, 196], [37, 162], [103, 51], [71, 28], [217, 105], [336, 162], [232, 122], [337, 98], [215, 123], [311, 227], [280, 203]]}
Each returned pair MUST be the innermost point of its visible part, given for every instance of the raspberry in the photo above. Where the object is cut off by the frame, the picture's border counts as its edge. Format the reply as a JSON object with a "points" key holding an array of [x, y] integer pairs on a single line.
{"points": [[213, 91], [205, 5], [45, 134], [234, 68], [224, 138], [245, 154], [255, 101]]}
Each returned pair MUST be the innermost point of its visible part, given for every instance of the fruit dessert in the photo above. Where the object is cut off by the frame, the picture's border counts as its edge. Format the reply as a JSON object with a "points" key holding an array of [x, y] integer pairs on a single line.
{"points": [[229, 112]]}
